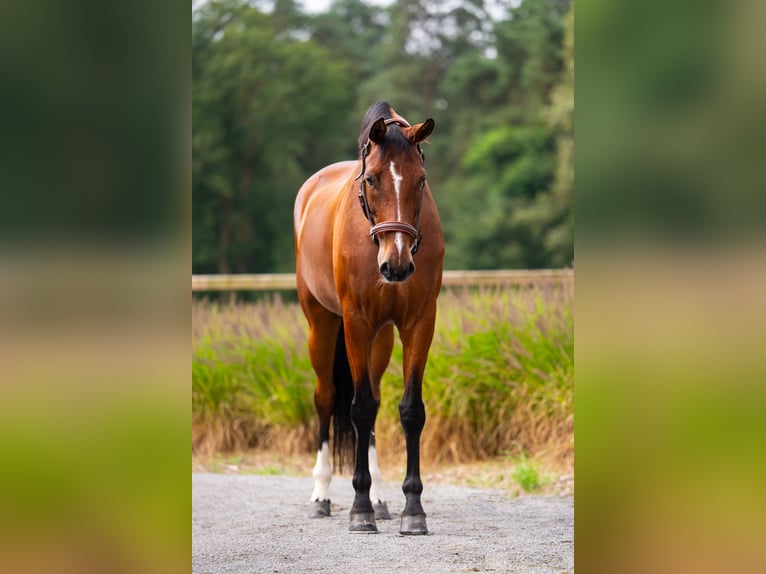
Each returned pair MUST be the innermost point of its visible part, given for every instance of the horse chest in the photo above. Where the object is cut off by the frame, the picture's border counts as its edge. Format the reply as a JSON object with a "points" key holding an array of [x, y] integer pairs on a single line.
{"points": [[383, 305]]}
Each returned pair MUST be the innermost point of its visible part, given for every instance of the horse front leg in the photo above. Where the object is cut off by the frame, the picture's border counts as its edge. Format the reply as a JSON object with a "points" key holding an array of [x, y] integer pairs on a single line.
{"points": [[412, 415], [379, 359], [416, 342], [364, 410]]}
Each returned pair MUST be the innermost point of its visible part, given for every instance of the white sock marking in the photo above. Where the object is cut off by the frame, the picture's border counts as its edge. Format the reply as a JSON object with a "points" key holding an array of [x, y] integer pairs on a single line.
{"points": [[322, 474], [398, 239], [377, 478]]}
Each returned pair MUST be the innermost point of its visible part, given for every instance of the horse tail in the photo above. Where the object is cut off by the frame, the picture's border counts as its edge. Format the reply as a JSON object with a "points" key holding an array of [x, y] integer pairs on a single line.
{"points": [[343, 432]]}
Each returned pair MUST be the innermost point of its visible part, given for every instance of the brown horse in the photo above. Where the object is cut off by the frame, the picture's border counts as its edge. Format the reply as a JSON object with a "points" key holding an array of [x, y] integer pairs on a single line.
{"points": [[360, 271]]}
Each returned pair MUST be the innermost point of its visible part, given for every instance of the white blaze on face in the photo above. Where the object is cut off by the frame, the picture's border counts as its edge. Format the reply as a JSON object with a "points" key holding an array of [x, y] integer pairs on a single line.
{"points": [[398, 239], [322, 474], [377, 478]]}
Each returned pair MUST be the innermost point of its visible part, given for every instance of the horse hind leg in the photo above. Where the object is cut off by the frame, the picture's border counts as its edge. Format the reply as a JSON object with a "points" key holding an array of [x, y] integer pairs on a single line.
{"points": [[379, 505], [364, 409], [363, 412], [324, 397], [320, 497], [323, 330], [379, 359]]}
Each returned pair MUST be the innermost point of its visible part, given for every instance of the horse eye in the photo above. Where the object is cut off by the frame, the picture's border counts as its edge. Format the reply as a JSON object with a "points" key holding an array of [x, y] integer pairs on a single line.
{"points": [[370, 180], [422, 182]]}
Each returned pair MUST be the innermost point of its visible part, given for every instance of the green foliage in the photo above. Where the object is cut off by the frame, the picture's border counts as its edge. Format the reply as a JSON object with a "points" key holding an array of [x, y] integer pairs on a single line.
{"points": [[256, 135], [527, 474], [510, 204], [499, 375], [270, 471], [498, 360], [276, 96], [529, 45], [560, 115], [504, 210], [250, 373]]}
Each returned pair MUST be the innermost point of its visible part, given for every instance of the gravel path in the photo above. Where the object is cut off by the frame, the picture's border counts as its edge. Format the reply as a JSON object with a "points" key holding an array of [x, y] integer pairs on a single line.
{"points": [[248, 523]]}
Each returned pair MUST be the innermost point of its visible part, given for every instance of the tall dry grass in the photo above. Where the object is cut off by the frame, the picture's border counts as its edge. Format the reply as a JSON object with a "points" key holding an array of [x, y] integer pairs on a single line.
{"points": [[499, 378]]}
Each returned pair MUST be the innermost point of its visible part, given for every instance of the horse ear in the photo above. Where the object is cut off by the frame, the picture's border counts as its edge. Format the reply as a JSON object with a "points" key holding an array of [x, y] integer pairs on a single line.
{"points": [[419, 132], [378, 131]]}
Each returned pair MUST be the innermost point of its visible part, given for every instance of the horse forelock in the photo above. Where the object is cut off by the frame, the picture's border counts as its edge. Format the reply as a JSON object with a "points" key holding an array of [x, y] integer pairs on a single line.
{"points": [[374, 112], [395, 139]]}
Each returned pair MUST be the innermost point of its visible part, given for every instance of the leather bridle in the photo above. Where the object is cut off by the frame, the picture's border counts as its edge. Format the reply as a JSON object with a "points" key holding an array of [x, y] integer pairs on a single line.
{"points": [[411, 230]]}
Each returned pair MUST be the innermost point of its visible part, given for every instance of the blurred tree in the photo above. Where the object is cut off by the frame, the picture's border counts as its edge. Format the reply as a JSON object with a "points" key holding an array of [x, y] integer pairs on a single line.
{"points": [[354, 31], [499, 219], [529, 46], [286, 16], [500, 210], [264, 109], [402, 77], [559, 240]]}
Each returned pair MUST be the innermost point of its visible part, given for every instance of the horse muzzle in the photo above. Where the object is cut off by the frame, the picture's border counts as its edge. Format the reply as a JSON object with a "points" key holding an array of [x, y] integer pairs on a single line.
{"points": [[394, 259], [396, 274]]}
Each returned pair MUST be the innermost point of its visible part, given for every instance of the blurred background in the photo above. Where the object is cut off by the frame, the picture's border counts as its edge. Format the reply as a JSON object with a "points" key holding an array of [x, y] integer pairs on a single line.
{"points": [[671, 268], [96, 204]]}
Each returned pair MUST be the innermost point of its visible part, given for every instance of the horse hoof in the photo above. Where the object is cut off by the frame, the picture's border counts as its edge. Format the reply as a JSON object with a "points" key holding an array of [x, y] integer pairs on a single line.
{"points": [[413, 524], [381, 511], [319, 509], [363, 522]]}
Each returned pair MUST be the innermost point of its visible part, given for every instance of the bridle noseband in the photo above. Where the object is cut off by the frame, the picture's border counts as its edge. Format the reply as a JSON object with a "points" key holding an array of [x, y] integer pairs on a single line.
{"points": [[401, 226]]}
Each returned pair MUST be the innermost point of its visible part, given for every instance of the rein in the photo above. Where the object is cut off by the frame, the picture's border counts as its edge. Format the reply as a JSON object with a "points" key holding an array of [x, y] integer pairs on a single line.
{"points": [[401, 226]]}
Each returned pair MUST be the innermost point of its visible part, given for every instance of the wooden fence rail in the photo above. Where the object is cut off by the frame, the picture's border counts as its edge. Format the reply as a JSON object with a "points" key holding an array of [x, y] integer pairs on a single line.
{"points": [[286, 281]]}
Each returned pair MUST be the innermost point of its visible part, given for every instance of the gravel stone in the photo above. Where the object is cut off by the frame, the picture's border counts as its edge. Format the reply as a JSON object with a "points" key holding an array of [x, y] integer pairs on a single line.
{"points": [[259, 524]]}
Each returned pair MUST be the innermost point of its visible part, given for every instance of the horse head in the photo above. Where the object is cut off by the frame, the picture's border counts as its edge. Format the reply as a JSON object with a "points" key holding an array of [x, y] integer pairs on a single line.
{"points": [[392, 183]]}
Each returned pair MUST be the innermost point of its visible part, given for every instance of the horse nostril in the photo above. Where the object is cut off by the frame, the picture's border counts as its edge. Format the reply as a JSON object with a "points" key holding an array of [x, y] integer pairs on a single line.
{"points": [[395, 274]]}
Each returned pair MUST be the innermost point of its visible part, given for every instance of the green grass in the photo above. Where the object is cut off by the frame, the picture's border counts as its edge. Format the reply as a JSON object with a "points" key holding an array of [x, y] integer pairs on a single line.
{"points": [[526, 473], [499, 377], [270, 471]]}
